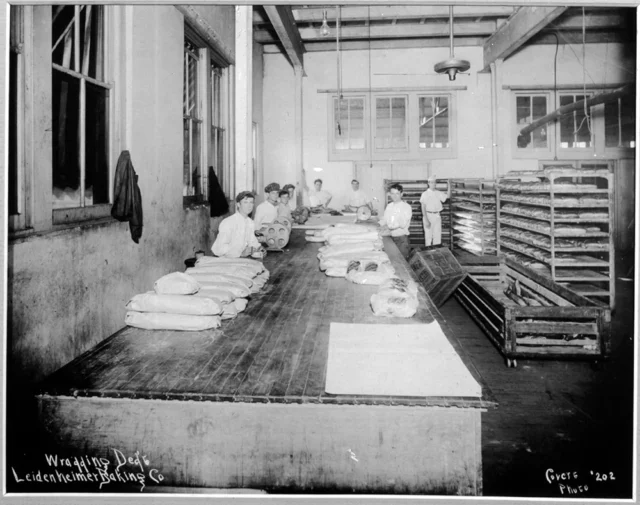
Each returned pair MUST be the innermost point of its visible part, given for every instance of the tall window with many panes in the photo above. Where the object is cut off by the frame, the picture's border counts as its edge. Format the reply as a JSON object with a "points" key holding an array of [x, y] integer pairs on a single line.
{"points": [[530, 108], [391, 123], [217, 140], [348, 128], [575, 126], [193, 179], [80, 101], [434, 122]]}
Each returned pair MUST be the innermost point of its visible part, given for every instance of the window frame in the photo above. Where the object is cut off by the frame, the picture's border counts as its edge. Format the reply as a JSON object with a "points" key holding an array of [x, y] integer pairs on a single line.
{"points": [[390, 97], [211, 57], [532, 152], [620, 151], [36, 172], [21, 218], [201, 119], [347, 154], [598, 148], [439, 152], [576, 152], [217, 155], [61, 216], [412, 121]]}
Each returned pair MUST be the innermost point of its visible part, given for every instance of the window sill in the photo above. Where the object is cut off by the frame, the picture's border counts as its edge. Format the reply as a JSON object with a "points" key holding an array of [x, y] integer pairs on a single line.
{"points": [[19, 236], [77, 215], [194, 203]]}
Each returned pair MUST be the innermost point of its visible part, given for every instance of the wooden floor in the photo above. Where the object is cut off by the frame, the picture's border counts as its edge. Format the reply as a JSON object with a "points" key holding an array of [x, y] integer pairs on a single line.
{"points": [[569, 416], [276, 351]]}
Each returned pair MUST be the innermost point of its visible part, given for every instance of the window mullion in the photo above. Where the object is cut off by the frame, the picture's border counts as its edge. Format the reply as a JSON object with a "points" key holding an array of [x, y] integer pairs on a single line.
{"points": [[348, 121], [619, 122], [87, 41], [76, 39], [82, 120]]}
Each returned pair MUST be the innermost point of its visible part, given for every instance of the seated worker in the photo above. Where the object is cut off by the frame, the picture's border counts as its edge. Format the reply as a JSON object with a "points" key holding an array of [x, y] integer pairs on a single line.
{"points": [[431, 202], [317, 196], [290, 189], [236, 234], [267, 211], [357, 198], [396, 219], [283, 207]]}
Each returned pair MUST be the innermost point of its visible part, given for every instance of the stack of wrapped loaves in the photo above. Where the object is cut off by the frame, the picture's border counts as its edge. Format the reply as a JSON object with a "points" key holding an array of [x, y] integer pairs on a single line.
{"points": [[395, 298], [353, 251], [214, 290]]}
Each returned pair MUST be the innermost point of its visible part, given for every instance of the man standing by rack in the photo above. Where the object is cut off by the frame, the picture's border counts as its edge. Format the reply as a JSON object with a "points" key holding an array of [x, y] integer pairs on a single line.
{"points": [[431, 202], [396, 219]]}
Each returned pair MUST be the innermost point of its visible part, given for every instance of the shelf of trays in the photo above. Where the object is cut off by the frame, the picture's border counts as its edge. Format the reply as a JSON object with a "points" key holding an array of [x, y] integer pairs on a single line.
{"points": [[412, 191], [561, 219], [473, 215]]}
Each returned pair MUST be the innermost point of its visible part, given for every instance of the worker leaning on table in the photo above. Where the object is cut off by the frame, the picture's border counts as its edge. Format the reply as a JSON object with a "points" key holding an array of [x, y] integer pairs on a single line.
{"points": [[236, 234], [397, 218], [267, 211]]}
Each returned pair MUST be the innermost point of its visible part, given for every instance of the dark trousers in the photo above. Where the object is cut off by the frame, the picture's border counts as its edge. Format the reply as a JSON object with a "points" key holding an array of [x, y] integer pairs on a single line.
{"points": [[403, 244]]}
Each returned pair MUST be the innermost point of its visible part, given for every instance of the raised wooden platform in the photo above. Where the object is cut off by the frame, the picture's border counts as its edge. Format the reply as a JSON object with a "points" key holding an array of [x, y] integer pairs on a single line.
{"points": [[249, 405]]}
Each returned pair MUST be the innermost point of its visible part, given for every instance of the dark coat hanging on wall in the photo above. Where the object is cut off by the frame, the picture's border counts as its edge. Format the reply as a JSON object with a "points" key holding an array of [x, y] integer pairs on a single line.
{"points": [[217, 199], [127, 200]]}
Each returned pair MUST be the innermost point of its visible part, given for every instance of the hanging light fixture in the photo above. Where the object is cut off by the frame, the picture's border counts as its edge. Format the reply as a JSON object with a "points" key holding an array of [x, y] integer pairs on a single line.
{"points": [[453, 65], [324, 29]]}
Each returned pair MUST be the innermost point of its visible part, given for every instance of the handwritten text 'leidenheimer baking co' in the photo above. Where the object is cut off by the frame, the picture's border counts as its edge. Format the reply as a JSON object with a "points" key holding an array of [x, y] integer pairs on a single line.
{"points": [[93, 469]]}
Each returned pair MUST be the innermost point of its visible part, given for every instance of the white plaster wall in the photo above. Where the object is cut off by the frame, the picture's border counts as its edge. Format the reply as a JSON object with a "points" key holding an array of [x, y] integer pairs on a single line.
{"points": [[256, 100], [532, 65], [474, 117], [67, 289], [222, 18]]}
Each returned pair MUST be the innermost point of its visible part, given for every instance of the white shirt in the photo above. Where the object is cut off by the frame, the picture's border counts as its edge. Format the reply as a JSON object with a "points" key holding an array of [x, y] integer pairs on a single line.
{"points": [[432, 199], [321, 197], [397, 217], [266, 212], [235, 233], [284, 210], [358, 199], [292, 201]]}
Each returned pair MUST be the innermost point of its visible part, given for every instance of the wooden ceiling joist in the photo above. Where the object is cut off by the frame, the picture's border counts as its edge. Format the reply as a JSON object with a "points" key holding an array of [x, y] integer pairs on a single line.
{"points": [[380, 12], [363, 45], [517, 30], [390, 31], [284, 24]]}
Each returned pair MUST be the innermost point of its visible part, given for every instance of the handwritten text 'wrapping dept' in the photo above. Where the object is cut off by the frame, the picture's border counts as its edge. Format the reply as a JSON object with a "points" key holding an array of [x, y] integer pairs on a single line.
{"points": [[86, 469]]}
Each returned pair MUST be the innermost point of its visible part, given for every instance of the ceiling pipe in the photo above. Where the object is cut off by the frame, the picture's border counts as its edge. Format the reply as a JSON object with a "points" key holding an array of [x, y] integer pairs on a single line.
{"points": [[453, 65]]}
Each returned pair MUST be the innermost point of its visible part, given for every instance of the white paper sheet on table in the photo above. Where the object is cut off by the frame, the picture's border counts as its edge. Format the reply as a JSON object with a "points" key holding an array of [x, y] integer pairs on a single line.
{"points": [[395, 360]]}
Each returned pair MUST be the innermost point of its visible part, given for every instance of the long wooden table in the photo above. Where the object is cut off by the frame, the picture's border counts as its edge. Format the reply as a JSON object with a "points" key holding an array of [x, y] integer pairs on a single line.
{"points": [[244, 405]]}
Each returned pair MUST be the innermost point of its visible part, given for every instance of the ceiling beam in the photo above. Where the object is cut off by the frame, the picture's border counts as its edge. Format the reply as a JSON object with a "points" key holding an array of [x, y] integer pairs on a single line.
{"points": [[591, 22], [363, 45], [397, 31], [360, 13], [282, 20], [517, 30]]}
